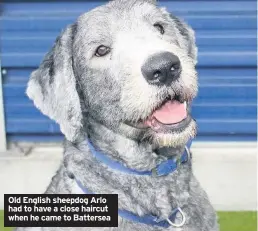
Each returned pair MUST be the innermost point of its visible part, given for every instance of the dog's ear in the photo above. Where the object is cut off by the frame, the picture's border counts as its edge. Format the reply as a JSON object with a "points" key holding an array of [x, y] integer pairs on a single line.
{"points": [[188, 35], [52, 86]]}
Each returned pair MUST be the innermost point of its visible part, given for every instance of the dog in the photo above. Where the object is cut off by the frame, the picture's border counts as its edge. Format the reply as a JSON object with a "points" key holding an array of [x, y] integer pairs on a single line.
{"points": [[120, 81]]}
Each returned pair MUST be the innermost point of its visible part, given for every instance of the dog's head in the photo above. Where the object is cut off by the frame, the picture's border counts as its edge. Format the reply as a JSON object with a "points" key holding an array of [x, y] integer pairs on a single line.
{"points": [[126, 64]]}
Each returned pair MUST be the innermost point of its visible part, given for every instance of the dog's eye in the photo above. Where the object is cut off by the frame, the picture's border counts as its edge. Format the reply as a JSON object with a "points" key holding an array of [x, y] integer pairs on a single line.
{"points": [[102, 51], [159, 27]]}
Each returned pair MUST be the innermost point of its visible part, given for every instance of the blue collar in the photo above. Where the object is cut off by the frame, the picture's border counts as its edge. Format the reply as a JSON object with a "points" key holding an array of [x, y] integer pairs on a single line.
{"points": [[164, 168], [146, 219]]}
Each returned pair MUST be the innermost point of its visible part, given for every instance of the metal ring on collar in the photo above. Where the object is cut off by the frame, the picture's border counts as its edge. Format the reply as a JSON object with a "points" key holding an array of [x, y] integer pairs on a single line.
{"points": [[188, 153], [182, 222]]}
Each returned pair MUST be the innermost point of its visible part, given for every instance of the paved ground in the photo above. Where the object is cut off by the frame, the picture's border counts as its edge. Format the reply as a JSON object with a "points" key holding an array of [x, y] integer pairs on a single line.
{"points": [[227, 171]]}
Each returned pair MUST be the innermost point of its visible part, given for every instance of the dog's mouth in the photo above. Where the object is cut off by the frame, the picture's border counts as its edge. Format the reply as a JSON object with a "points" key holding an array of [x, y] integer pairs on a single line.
{"points": [[171, 115]]}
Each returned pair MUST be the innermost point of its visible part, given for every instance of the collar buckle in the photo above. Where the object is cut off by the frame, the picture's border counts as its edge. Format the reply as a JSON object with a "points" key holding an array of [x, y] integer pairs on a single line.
{"points": [[170, 165]]}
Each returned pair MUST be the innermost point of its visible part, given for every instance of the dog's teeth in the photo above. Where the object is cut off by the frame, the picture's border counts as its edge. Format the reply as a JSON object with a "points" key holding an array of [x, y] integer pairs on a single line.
{"points": [[155, 124], [185, 104]]}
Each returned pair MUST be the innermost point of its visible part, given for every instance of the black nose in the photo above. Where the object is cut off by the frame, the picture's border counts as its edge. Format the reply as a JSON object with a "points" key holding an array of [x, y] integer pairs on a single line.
{"points": [[161, 68]]}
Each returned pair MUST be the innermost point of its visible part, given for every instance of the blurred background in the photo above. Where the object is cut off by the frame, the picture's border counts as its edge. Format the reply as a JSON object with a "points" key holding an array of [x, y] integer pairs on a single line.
{"points": [[225, 109]]}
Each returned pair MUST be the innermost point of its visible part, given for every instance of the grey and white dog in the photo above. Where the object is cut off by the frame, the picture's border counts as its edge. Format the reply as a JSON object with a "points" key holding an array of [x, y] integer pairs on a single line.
{"points": [[123, 76]]}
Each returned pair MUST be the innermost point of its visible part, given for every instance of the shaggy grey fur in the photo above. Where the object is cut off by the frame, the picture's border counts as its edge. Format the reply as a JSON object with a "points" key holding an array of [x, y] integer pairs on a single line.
{"points": [[104, 98]]}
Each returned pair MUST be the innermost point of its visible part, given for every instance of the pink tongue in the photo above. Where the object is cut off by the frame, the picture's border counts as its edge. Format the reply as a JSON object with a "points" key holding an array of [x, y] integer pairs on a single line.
{"points": [[171, 112]]}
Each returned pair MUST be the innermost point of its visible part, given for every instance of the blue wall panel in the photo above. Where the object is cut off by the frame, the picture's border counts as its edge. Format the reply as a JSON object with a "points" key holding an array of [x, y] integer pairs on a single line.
{"points": [[226, 107]]}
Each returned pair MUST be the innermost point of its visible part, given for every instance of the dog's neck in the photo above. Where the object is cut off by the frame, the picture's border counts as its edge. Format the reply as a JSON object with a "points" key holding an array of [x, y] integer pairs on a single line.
{"points": [[152, 195], [123, 148]]}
